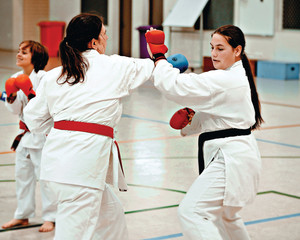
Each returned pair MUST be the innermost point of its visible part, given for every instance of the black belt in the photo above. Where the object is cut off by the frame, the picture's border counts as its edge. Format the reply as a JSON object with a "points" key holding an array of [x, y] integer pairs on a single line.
{"points": [[232, 132]]}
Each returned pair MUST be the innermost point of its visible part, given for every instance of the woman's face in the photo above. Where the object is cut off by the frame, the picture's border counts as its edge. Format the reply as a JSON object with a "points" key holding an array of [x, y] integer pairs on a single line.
{"points": [[100, 44], [24, 56], [222, 53]]}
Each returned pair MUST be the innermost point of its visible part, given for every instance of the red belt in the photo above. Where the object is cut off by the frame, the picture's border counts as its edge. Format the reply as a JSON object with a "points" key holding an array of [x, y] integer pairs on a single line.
{"points": [[85, 127], [18, 138], [23, 126], [89, 128]]}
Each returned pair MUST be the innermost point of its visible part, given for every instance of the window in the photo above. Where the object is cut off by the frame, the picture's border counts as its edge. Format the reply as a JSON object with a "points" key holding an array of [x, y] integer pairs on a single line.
{"points": [[215, 14], [291, 14], [99, 7]]}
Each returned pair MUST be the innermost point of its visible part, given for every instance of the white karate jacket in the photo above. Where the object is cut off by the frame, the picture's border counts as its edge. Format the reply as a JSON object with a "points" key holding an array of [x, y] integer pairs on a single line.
{"points": [[29, 140], [222, 100], [80, 158]]}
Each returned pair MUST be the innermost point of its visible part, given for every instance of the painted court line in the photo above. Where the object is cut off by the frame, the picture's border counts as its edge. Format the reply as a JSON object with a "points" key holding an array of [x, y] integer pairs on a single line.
{"points": [[176, 205], [144, 119], [8, 124], [272, 219], [246, 223], [180, 234], [166, 237], [278, 143], [282, 126], [6, 152], [280, 104], [21, 227]]}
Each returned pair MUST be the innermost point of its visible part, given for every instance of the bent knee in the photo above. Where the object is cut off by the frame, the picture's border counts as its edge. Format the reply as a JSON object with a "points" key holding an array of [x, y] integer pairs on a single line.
{"points": [[185, 210], [189, 211]]}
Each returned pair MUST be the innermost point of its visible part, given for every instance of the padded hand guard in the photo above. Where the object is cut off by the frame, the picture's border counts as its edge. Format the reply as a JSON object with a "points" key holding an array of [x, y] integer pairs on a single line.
{"points": [[23, 82], [182, 118], [179, 61], [155, 40], [10, 87]]}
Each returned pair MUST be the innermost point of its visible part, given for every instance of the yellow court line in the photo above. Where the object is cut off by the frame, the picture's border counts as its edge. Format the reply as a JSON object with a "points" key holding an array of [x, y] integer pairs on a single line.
{"points": [[284, 126], [179, 136], [6, 152], [175, 137], [151, 139], [280, 104]]}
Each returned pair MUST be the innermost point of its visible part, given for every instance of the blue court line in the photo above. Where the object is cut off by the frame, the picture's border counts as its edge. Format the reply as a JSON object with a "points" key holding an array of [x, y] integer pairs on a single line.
{"points": [[166, 237], [8, 124], [282, 144], [272, 219], [163, 122], [246, 223], [123, 115], [145, 119]]}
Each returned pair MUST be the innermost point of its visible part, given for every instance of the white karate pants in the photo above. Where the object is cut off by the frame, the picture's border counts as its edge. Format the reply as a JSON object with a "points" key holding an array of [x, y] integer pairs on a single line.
{"points": [[88, 213], [202, 213], [27, 172]]}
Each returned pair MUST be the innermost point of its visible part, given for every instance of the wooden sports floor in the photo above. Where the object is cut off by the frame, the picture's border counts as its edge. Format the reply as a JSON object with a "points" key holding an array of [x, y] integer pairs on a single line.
{"points": [[160, 165]]}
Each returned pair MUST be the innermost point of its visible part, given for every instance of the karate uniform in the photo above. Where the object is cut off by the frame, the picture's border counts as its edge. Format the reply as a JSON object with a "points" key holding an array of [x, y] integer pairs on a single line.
{"points": [[222, 100], [82, 159], [28, 159]]}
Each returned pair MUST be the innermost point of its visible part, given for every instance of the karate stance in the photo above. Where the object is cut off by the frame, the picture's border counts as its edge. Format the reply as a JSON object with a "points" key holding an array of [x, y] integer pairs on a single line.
{"points": [[227, 109], [83, 98], [32, 57]]}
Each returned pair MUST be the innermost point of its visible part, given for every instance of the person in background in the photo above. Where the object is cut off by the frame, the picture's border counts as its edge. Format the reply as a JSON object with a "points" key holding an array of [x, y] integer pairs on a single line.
{"points": [[227, 110], [32, 57], [84, 99], [2, 96]]}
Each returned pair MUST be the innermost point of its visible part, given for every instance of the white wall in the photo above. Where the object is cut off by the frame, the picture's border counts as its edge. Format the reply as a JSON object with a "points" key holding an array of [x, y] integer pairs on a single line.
{"points": [[17, 23], [283, 46], [11, 18], [112, 27], [63, 10], [6, 15], [140, 16]]}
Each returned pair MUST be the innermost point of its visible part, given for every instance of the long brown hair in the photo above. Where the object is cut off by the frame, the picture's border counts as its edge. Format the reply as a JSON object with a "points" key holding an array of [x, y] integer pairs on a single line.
{"points": [[235, 37], [80, 31]]}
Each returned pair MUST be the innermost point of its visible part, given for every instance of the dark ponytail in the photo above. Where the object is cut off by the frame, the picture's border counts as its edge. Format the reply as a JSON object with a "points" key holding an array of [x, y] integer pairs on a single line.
{"points": [[235, 37], [254, 95], [80, 31], [72, 62]]}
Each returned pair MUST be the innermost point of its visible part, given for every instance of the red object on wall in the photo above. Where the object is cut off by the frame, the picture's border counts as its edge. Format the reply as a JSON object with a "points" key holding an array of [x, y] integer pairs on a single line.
{"points": [[208, 65], [52, 33]]}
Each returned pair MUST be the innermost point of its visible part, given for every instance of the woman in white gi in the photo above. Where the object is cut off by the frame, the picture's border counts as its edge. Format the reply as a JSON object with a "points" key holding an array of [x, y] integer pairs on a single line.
{"points": [[83, 98], [227, 109], [32, 57]]}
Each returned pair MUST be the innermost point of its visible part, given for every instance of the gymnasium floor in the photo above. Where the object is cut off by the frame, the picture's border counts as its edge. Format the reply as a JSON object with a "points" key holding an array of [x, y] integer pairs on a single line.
{"points": [[160, 165]]}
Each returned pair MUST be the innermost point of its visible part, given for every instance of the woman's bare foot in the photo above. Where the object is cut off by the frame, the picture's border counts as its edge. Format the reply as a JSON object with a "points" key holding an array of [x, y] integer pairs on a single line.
{"points": [[15, 222], [47, 227]]}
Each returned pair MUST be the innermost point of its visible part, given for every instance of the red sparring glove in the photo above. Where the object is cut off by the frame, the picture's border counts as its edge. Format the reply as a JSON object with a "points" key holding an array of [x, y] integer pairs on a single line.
{"points": [[23, 82], [182, 118], [11, 89], [155, 40]]}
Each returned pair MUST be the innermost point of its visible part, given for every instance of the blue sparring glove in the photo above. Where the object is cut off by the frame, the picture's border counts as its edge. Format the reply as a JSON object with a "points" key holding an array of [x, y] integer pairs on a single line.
{"points": [[179, 61], [3, 96]]}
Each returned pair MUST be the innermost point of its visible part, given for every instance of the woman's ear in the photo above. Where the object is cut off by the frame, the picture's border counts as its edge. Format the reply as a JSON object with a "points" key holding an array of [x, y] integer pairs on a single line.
{"points": [[92, 44], [238, 51]]}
